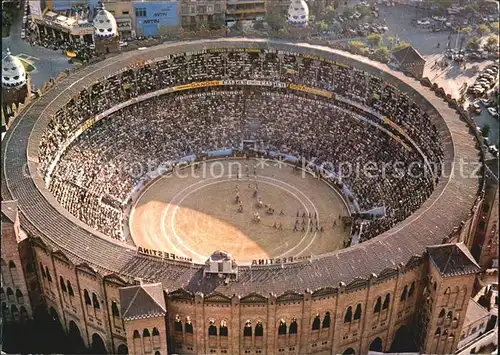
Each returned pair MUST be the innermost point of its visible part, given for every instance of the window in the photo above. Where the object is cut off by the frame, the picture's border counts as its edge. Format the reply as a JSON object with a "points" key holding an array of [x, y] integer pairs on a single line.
{"points": [[223, 329], [95, 301], [189, 326], [12, 265], [156, 338], [63, 285], [316, 323], [293, 326], [145, 333], [404, 294], [48, 274], [442, 313], [326, 320], [259, 329], [348, 315], [357, 314], [449, 315], [412, 289], [125, 12], [282, 327], [114, 309], [387, 301], [438, 332], [70, 289], [136, 334], [44, 275], [212, 329], [19, 296], [10, 294], [220, 267], [86, 296], [177, 324], [247, 330], [140, 12], [435, 285], [378, 305]]}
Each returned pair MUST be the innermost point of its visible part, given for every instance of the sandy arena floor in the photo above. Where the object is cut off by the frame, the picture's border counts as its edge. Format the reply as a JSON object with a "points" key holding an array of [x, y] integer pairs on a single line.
{"points": [[193, 213]]}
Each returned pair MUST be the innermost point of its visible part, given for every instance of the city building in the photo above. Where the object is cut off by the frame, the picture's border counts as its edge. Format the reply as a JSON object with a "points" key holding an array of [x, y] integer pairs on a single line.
{"points": [[105, 32], [245, 10], [16, 90], [153, 18]]}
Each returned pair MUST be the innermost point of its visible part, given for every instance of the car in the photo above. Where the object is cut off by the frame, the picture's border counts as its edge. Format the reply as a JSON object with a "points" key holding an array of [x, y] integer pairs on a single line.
{"points": [[23, 34], [493, 150], [476, 108], [423, 22], [493, 111]]}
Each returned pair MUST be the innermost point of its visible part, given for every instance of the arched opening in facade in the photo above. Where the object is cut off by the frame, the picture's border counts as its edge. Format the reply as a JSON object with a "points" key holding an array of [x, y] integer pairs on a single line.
{"points": [[98, 346], [177, 324], [376, 345], [122, 350], [259, 329], [19, 296], [412, 289], [95, 301], [378, 305], [403, 341], [70, 289], [212, 329], [156, 338], [293, 327], [326, 320], [349, 351], [357, 313], [348, 315], [62, 284], [188, 327], [86, 296], [24, 313], [316, 323], [10, 294], [14, 312], [282, 327], [387, 301], [75, 339], [247, 330], [404, 294], [146, 339], [223, 331]]}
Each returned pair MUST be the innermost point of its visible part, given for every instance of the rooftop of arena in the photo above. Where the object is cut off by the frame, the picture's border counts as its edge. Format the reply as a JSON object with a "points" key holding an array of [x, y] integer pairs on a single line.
{"points": [[42, 216]]}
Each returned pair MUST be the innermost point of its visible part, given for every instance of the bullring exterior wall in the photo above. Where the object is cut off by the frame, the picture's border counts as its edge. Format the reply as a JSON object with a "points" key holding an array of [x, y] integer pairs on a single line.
{"points": [[269, 310]]}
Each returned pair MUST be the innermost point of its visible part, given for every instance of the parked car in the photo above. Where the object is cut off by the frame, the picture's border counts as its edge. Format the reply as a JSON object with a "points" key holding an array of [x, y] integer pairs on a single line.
{"points": [[493, 150], [493, 111], [475, 108], [423, 22], [23, 33]]}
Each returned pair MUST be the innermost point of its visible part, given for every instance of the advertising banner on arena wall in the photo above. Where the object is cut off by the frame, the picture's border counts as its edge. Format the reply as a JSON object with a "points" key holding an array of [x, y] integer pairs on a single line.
{"points": [[151, 16]]}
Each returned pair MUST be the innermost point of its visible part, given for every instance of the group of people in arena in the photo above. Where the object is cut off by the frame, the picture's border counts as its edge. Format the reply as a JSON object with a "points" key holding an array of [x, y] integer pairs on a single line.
{"points": [[94, 176]]}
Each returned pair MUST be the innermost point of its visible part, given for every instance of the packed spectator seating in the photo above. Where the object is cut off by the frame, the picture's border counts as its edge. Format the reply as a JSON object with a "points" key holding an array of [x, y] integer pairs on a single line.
{"points": [[95, 174]]}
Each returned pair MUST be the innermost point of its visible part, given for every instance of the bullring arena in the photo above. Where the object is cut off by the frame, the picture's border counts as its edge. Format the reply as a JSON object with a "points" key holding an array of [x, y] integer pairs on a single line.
{"points": [[178, 258], [193, 214]]}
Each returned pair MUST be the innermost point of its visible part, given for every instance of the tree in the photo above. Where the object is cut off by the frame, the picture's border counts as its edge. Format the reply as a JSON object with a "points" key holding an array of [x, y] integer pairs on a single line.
{"points": [[322, 26], [485, 130], [382, 54], [358, 47], [348, 12], [330, 13], [390, 40], [491, 43], [467, 30], [495, 26], [275, 20], [400, 45], [483, 30], [374, 39], [474, 44]]}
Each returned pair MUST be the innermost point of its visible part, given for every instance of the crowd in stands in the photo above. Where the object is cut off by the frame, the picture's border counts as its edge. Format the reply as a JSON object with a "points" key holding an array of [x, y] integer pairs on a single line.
{"points": [[97, 172]]}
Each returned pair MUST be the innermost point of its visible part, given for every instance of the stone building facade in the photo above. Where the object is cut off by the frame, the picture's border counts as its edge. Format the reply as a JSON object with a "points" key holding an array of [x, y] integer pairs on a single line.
{"points": [[427, 297]]}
